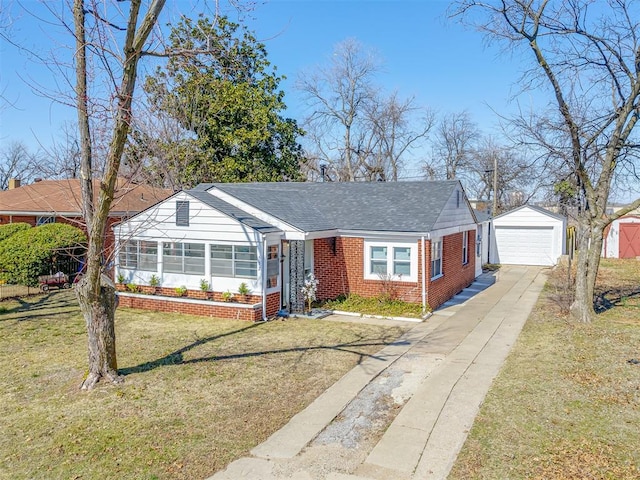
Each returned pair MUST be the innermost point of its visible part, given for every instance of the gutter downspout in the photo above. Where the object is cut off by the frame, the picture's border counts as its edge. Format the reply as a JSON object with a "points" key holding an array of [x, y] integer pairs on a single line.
{"points": [[424, 275], [264, 278]]}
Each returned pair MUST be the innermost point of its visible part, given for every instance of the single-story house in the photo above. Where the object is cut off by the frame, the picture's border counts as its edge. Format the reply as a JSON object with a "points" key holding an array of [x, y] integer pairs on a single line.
{"points": [[622, 239], [47, 201], [412, 240], [527, 235]]}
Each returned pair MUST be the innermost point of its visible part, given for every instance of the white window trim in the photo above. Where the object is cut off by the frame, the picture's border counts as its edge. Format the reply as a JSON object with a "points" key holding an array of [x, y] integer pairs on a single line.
{"points": [[439, 241], [367, 275], [465, 247]]}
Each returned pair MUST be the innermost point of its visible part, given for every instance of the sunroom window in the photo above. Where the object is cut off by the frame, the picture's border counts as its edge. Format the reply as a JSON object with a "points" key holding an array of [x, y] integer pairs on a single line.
{"points": [[273, 266], [139, 255], [187, 258], [234, 261]]}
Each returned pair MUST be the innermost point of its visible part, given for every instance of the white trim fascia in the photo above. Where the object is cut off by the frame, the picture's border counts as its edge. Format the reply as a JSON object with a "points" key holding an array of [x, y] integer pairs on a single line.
{"points": [[443, 232], [386, 235], [256, 212], [321, 234]]}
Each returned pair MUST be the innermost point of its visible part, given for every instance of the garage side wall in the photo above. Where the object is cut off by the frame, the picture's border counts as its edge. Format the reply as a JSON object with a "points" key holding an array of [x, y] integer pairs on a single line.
{"points": [[611, 245]]}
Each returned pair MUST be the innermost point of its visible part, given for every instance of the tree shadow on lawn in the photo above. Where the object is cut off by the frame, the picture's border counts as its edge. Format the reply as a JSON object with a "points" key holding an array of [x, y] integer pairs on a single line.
{"points": [[615, 297], [176, 357], [49, 301]]}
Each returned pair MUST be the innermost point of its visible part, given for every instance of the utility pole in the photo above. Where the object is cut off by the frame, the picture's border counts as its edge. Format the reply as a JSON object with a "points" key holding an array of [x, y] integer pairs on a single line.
{"points": [[495, 185]]}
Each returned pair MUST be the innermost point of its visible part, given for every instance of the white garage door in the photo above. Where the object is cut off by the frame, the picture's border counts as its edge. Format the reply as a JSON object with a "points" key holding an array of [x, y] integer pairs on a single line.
{"points": [[525, 245]]}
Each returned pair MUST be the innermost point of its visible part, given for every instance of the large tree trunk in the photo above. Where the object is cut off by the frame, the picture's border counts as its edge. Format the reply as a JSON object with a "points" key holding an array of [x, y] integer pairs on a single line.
{"points": [[99, 313], [96, 292], [588, 262]]}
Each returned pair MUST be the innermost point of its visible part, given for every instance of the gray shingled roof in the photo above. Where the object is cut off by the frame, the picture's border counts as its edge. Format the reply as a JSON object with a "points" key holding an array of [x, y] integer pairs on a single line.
{"points": [[231, 211], [369, 206]]}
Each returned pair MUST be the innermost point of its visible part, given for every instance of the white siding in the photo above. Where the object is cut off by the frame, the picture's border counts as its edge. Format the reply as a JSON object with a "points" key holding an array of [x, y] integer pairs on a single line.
{"points": [[207, 226], [159, 222], [456, 213]]}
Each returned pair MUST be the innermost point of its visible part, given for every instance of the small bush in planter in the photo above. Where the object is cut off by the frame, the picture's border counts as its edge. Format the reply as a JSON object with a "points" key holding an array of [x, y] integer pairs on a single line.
{"points": [[132, 287], [120, 278], [244, 289], [227, 296], [181, 291], [154, 282]]}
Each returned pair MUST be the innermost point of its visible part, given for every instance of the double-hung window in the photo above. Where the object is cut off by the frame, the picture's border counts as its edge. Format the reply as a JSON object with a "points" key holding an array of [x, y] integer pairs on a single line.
{"points": [[234, 261], [390, 260], [139, 255], [378, 260], [436, 258], [185, 258], [402, 261], [465, 247]]}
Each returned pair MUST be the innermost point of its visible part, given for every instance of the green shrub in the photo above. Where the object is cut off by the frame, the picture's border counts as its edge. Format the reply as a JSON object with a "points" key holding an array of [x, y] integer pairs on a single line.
{"points": [[375, 306], [12, 228], [30, 252]]}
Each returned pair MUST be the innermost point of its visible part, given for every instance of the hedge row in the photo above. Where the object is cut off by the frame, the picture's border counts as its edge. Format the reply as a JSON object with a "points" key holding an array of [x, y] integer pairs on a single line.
{"points": [[31, 252]]}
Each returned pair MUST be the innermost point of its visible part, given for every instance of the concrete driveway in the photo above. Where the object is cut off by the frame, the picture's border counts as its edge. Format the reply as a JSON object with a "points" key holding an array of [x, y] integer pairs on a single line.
{"points": [[439, 372]]}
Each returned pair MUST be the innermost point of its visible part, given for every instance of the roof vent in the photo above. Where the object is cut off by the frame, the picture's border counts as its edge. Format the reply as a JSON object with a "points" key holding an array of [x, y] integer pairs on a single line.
{"points": [[14, 183]]}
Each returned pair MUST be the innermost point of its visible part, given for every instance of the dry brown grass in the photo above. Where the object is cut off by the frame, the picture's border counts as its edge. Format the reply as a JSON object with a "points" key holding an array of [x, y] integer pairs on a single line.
{"points": [[198, 392], [567, 402]]}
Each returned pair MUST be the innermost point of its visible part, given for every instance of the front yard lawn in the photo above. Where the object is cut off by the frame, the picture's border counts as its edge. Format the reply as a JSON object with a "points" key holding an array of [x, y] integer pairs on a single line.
{"points": [[567, 403], [198, 392]]}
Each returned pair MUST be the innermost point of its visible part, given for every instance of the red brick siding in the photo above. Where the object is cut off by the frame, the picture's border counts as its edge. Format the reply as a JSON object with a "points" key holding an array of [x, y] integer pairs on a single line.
{"points": [[343, 272], [456, 276], [273, 304], [229, 310], [220, 311], [31, 220], [329, 267]]}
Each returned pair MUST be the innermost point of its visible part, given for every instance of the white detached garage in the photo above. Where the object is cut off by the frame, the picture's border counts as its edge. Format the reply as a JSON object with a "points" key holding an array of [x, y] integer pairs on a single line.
{"points": [[527, 235]]}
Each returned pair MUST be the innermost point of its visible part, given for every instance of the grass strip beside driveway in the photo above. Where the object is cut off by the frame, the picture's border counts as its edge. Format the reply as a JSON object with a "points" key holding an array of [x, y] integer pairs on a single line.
{"points": [[567, 403], [198, 392]]}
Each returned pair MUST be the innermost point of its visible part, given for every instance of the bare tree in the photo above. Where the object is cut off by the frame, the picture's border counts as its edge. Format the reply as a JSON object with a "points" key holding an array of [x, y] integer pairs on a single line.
{"points": [[96, 292], [354, 132], [339, 96], [587, 54], [500, 173], [17, 162], [62, 158], [453, 145], [395, 133]]}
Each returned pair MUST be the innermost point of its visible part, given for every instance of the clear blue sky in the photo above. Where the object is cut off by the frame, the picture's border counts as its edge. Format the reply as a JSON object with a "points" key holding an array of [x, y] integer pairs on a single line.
{"points": [[425, 55]]}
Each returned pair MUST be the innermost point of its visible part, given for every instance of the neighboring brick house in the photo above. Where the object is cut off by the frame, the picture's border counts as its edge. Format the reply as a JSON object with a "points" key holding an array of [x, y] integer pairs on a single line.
{"points": [[47, 201], [416, 240]]}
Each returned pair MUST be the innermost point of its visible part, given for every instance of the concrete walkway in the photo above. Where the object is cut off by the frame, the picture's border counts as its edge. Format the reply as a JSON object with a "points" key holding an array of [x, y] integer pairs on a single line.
{"points": [[446, 365]]}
